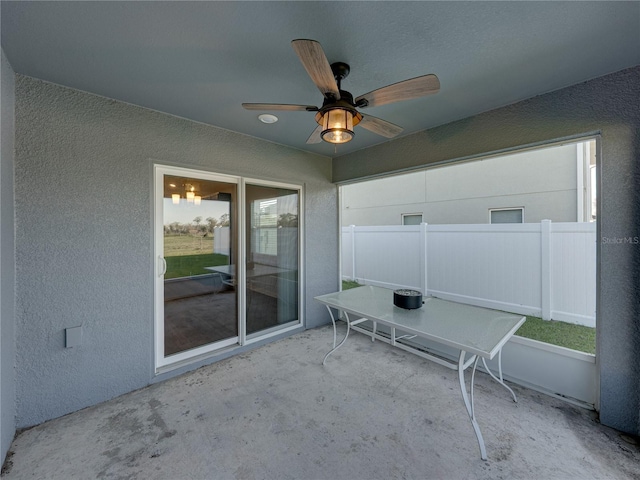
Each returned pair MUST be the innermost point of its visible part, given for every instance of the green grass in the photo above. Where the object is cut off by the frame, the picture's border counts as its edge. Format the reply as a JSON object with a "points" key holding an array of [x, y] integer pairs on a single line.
{"points": [[347, 284], [187, 255], [576, 337], [188, 265]]}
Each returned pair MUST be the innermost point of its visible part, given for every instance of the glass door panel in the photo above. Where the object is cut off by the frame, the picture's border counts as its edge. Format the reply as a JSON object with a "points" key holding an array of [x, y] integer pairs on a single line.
{"points": [[200, 298], [272, 256]]}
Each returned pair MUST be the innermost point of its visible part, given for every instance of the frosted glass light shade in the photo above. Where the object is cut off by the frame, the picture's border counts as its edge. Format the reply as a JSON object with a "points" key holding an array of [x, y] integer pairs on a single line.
{"points": [[337, 126]]}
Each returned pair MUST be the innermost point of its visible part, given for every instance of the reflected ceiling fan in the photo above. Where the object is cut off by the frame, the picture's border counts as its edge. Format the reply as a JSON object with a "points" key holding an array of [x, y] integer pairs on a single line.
{"points": [[338, 114]]}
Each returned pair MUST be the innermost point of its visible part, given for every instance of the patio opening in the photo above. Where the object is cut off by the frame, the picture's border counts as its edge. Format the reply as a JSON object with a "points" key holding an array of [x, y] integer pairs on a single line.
{"points": [[514, 232]]}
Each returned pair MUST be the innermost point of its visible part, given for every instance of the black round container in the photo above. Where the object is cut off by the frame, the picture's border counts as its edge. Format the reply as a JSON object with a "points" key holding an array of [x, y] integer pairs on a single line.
{"points": [[408, 299]]}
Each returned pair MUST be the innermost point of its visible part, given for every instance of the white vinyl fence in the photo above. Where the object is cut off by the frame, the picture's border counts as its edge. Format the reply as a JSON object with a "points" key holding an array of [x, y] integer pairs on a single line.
{"points": [[222, 240], [546, 269]]}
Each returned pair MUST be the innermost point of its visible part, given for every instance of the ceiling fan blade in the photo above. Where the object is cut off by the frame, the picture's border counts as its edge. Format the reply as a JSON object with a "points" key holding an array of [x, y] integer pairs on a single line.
{"points": [[317, 66], [279, 106], [315, 135], [405, 90], [379, 126]]}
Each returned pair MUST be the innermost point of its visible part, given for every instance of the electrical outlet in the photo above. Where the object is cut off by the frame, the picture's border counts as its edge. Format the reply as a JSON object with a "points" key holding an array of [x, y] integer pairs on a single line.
{"points": [[73, 336]]}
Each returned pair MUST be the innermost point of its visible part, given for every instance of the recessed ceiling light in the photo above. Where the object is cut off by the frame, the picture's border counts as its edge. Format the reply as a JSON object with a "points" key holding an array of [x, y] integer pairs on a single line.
{"points": [[267, 118]]}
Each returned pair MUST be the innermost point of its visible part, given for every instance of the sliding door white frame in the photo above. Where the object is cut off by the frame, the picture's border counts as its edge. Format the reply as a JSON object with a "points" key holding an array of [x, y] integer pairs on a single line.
{"points": [[162, 363], [291, 325]]}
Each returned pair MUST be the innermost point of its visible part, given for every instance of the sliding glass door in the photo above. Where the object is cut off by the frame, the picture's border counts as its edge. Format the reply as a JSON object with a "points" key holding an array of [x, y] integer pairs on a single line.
{"points": [[198, 305], [272, 240], [227, 262]]}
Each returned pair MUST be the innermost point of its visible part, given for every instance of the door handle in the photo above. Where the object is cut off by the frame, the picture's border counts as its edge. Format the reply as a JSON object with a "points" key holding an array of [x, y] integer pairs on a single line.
{"points": [[163, 269]]}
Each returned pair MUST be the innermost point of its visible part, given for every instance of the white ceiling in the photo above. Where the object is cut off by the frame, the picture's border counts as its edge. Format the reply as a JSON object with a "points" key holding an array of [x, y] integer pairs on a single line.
{"points": [[201, 60]]}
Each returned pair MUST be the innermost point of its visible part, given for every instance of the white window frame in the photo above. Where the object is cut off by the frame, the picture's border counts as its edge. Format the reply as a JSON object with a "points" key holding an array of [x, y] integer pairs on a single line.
{"points": [[491, 210], [403, 215]]}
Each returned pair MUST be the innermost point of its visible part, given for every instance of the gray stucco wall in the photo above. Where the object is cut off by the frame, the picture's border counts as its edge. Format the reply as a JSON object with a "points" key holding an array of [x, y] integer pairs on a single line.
{"points": [[610, 106], [7, 260], [83, 180]]}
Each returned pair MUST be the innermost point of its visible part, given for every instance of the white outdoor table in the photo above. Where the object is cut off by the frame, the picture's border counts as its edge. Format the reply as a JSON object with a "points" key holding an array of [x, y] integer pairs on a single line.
{"points": [[479, 332]]}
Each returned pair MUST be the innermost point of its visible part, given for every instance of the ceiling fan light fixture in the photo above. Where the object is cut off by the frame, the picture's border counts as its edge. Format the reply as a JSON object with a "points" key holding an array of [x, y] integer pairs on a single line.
{"points": [[337, 124], [338, 114]]}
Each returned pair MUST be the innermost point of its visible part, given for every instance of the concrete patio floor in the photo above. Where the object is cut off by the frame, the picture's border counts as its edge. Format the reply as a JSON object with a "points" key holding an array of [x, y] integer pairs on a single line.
{"points": [[373, 412]]}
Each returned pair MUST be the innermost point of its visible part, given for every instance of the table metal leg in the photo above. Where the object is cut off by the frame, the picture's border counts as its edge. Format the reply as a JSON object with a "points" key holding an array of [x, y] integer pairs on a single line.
{"points": [[468, 400], [333, 320], [499, 379]]}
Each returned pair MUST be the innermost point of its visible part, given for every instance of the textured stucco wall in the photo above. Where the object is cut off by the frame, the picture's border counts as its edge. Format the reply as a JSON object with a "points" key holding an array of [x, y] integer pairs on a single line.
{"points": [[7, 259], [608, 105], [84, 236]]}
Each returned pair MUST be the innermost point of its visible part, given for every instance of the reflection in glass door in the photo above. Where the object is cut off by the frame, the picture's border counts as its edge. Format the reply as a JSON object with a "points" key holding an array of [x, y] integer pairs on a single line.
{"points": [[272, 243], [227, 262], [200, 305]]}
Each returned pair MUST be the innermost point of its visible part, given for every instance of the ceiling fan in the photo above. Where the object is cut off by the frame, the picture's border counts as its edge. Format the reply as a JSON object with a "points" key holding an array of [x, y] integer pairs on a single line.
{"points": [[338, 114]]}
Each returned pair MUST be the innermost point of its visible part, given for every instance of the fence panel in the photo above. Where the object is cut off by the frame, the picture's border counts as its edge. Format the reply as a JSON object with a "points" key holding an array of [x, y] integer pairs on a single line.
{"points": [[540, 269], [388, 256], [347, 257], [222, 240], [496, 266], [573, 277]]}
